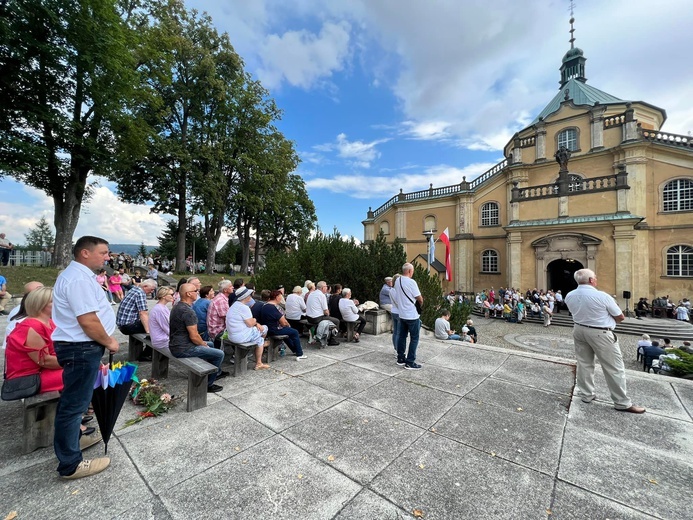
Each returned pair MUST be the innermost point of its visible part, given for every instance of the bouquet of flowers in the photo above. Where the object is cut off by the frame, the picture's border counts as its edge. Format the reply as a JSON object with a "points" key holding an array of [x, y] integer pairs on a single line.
{"points": [[151, 394]]}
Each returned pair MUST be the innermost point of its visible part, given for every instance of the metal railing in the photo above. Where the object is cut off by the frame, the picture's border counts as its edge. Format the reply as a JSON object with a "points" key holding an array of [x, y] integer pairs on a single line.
{"points": [[32, 258]]}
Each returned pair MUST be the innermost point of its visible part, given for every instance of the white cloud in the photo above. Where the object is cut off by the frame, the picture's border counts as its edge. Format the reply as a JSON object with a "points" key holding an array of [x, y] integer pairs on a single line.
{"points": [[426, 130], [357, 153], [104, 215], [367, 187], [302, 58]]}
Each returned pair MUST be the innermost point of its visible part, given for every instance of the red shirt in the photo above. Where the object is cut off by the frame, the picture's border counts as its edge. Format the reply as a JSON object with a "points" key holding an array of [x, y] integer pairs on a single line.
{"points": [[18, 362]]}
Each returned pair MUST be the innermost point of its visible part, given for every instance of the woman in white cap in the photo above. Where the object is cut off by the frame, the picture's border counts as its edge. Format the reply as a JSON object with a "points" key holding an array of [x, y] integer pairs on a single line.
{"points": [[243, 328]]}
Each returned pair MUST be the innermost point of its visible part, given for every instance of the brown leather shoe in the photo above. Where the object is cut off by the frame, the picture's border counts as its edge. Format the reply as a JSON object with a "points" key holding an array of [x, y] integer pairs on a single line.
{"points": [[632, 409]]}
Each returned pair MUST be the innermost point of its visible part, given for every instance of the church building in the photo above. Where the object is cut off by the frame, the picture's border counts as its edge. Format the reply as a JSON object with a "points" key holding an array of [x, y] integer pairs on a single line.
{"points": [[592, 182]]}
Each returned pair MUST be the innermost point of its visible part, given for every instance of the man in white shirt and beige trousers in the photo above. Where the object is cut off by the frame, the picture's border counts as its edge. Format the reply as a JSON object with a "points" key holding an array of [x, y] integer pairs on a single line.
{"points": [[595, 315]]}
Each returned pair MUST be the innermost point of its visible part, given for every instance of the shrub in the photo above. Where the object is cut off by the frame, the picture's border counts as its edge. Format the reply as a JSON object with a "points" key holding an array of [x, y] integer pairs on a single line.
{"points": [[683, 366], [335, 260]]}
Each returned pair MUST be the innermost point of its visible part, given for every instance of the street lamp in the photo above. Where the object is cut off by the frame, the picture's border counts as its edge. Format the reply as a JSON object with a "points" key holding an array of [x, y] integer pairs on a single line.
{"points": [[428, 234]]}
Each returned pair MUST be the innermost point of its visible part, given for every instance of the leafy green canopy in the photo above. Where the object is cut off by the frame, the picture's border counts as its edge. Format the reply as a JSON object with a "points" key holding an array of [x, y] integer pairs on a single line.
{"points": [[362, 268]]}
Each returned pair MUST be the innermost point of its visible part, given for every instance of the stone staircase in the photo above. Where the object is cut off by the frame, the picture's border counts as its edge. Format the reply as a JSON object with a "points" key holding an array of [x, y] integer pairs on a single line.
{"points": [[657, 328]]}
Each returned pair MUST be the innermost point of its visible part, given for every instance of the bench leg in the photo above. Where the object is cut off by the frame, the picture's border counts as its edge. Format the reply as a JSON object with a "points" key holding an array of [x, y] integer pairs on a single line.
{"points": [[350, 331], [159, 365], [197, 392], [134, 349], [241, 361], [270, 349], [39, 426]]}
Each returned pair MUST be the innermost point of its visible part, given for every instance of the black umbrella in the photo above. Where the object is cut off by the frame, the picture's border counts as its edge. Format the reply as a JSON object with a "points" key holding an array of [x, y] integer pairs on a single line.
{"points": [[110, 392]]}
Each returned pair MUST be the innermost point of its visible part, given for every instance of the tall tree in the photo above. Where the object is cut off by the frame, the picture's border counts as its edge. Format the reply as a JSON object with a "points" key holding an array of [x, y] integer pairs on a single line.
{"points": [[40, 237], [66, 73], [181, 75]]}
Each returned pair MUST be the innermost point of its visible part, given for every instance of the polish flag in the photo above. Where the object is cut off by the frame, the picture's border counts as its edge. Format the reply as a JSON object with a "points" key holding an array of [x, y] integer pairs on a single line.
{"points": [[445, 239]]}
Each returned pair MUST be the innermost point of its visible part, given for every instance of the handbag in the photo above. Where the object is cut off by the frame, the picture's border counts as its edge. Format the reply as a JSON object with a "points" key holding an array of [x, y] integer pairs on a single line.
{"points": [[21, 387]]}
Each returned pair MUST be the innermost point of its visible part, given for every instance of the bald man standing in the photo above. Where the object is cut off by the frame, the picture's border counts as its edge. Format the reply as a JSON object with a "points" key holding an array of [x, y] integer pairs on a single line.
{"points": [[595, 315]]}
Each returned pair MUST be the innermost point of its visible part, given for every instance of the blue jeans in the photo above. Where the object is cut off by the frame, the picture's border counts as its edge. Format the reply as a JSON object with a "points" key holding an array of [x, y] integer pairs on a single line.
{"points": [[395, 329], [209, 354], [454, 336], [80, 362], [294, 341], [411, 328]]}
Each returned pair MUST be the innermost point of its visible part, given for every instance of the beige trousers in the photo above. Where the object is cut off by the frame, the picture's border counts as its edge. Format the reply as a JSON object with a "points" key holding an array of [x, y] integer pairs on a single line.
{"points": [[604, 345], [4, 300]]}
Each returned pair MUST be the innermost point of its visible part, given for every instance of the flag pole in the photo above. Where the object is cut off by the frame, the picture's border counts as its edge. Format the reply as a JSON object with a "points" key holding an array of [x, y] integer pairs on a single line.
{"points": [[428, 234]]}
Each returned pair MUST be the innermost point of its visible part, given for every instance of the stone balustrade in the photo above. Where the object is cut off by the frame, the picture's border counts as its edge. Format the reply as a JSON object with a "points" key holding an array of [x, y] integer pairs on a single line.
{"points": [[684, 141]]}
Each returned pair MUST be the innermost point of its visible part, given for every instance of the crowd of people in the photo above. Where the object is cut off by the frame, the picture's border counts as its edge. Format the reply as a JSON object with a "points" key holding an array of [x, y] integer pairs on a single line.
{"points": [[61, 333]]}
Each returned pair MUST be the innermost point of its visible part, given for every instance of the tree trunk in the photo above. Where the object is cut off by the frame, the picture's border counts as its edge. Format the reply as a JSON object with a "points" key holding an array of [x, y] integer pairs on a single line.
{"points": [[212, 234], [244, 242], [65, 221], [257, 244], [182, 228]]}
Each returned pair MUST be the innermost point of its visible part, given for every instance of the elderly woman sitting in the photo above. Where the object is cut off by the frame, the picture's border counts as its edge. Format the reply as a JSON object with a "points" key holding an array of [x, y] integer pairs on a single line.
{"points": [[350, 313], [30, 347], [277, 325], [295, 309], [243, 328], [160, 318]]}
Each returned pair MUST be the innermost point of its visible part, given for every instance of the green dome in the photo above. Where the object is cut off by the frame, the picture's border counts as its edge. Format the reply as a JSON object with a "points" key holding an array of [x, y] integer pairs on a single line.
{"points": [[572, 53]]}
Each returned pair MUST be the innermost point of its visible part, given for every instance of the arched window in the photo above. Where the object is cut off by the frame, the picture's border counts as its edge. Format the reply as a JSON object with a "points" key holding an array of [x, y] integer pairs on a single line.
{"points": [[489, 261], [575, 182], [430, 223], [680, 261], [568, 138], [385, 227], [678, 195], [490, 214]]}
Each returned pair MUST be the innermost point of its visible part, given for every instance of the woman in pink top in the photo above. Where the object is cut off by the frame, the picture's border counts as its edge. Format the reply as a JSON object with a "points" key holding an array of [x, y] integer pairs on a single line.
{"points": [[30, 347], [102, 280], [114, 285], [159, 318]]}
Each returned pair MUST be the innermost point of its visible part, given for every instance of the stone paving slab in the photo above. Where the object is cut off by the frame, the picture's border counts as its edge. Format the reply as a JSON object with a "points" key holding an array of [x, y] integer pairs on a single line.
{"points": [[345, 380], [344, 351], [368, 505], [573, 503], [150, 509], [646, 478], [543, 375], [210, 436], [653, 392], [547, 406], [363, 441], [405, 401], [445, 480], [380, 361], [37, 493], [285, 403], [470, 359], [445, 379], [685, 394], [274, 479], [519, 438]]}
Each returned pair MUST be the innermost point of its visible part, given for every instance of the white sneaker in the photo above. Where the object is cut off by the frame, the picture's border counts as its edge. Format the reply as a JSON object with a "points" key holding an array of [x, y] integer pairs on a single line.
{"points": [[114, 303], [301, 357]]}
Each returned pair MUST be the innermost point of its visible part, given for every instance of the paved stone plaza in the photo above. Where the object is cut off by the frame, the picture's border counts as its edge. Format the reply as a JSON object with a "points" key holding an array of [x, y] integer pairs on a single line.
{"points": [[480, 432]]}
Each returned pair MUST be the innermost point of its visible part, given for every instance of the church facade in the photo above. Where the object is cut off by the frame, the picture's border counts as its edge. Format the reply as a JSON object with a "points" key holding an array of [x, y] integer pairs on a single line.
{"points": [[591, 182]]}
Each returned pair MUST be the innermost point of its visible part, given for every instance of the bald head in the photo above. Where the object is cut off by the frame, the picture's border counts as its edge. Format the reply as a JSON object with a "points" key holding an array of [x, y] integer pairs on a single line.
{"points": [[32, 286], [187, 292]]}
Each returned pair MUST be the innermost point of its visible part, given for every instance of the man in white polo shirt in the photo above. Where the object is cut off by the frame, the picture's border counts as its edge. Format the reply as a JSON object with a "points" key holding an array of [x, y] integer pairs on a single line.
{"points": [[406, 292], [595, 315], [317, 311], [84, 324]]}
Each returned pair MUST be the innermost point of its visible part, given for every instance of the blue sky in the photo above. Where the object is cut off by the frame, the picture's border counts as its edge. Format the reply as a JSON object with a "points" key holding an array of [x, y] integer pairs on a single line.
{"points": [[380, 95]]}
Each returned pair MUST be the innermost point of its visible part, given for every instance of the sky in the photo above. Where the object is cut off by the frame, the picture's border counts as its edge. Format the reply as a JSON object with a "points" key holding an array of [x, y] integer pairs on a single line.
{"points": [[383, 95]]}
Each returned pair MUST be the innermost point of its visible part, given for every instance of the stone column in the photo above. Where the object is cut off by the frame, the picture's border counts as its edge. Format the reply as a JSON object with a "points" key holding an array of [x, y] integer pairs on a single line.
{"points": [[623, 258], [597, 128], [630, 127], [540, 148], [514, 261]]}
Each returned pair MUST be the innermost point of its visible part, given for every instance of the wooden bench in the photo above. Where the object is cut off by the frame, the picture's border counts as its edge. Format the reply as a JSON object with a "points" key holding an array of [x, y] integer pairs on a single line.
{"points": [[274, 342], [198, 371], [240, 353], [39, 420]]}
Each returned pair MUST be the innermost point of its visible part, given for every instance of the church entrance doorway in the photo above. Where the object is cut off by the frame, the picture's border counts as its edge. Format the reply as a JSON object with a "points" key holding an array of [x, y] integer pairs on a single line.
{"points": [[560, 275]]}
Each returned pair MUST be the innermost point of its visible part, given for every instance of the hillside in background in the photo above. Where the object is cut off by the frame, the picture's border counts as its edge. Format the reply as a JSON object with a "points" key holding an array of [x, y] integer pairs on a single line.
{"points": [[129, 249]]}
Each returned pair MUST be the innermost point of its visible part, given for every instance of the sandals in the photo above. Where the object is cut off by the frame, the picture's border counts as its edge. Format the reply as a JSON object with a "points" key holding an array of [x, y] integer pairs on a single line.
{"points": [[262, 366]]}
